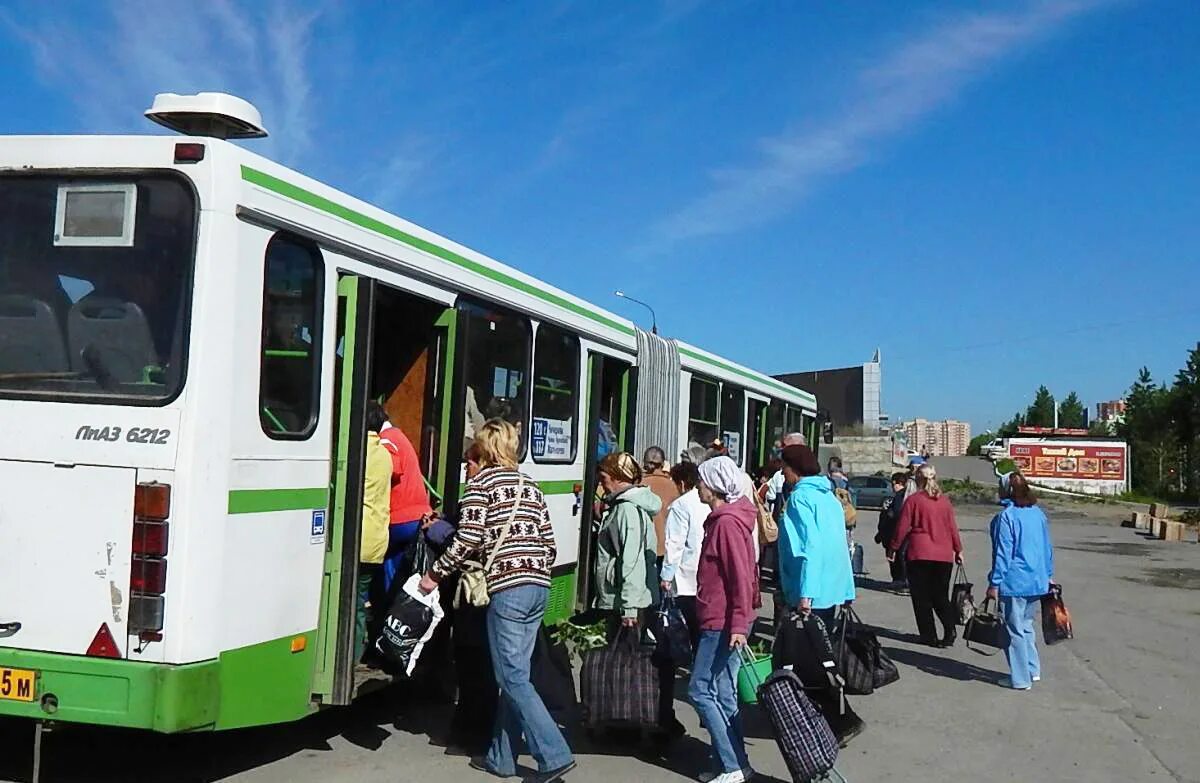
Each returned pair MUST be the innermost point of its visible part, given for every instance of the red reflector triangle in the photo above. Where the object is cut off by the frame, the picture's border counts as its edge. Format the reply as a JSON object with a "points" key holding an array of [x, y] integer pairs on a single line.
{"points": [[103, 645]]}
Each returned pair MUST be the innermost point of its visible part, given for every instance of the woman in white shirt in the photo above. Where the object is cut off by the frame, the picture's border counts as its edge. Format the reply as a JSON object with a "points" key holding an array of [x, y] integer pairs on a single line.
{"points": [[684, 534]]}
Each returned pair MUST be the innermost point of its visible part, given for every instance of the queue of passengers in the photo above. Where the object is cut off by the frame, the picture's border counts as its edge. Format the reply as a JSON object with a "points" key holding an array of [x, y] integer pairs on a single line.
{"points": [[689, 531]]}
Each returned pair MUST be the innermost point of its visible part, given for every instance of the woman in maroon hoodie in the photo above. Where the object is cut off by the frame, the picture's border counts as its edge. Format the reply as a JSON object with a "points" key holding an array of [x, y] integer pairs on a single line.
{"points": [[726, 597], [927, 524]]}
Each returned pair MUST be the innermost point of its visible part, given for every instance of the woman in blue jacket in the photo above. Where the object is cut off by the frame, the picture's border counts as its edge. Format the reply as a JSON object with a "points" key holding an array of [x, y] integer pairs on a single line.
{"points": [[1022, 572]]}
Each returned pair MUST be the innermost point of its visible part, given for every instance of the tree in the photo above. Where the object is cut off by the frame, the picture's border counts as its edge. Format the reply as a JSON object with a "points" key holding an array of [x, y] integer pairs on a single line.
{"points": [[1041, 412], [975, 447], [1149, 430], [1100, 429], [1071, 412], [1184, 407], [1009, 428]]}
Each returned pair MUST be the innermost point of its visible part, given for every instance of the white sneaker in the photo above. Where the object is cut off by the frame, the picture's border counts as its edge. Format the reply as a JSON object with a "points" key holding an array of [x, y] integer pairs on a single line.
{"points": [[738, 776], [1007, 683], [1037, 678]]}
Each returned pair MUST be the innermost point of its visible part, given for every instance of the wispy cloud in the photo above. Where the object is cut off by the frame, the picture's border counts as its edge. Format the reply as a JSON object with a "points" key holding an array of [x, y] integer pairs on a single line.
{"points": [[111, 69], [888, 97]]}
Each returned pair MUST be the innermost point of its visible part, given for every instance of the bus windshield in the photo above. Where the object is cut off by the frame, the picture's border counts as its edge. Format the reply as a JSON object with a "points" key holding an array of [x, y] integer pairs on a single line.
{"points": [[95, 281]]}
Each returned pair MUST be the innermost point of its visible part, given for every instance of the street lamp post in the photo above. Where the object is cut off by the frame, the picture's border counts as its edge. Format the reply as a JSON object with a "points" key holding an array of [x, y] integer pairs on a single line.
{"points": [[653, 318]]}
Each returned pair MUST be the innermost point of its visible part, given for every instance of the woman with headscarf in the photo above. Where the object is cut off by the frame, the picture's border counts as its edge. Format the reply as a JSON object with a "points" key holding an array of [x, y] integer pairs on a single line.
{"points": [[1022, 572], [727, 595], [626, 578], [928, 527]]}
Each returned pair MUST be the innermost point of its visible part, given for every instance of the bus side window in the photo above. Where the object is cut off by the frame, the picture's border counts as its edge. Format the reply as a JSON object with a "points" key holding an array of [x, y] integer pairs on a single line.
{"points": [[498, 347], [555, 427], [290, 377], [703, 411], [733, 420]]}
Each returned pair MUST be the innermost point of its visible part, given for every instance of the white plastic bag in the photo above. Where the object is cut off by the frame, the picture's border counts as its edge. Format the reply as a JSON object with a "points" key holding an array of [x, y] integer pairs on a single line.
{"points": [[409, 625]]}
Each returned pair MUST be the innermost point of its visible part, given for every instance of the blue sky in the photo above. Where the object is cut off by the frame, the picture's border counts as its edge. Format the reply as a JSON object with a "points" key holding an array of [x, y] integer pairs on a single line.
{"points": [[996, 195]]}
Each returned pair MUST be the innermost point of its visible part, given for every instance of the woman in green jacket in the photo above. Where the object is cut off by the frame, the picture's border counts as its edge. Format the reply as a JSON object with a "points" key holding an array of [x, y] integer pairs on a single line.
{"points": [[626, 578]]}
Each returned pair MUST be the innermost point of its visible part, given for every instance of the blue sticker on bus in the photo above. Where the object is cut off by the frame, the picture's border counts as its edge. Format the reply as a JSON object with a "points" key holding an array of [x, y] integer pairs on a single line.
{"points": [[318, 525], [538, 441]]}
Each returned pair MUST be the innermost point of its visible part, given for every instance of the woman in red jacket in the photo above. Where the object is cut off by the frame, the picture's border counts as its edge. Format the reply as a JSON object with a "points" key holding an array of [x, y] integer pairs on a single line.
{"points": [[727, 595], [927, 524]]}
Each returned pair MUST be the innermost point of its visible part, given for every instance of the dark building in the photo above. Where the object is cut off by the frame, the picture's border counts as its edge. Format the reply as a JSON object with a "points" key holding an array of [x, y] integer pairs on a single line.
{"points": [[850, 395]]}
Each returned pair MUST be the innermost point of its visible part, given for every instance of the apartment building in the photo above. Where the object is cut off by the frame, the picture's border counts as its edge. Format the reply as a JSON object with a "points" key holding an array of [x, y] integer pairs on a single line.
{"points": [[945, 438]]}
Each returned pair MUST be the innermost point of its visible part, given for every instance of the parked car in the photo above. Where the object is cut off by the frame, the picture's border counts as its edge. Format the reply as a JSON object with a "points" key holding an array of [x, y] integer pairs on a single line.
{"points": [[994, 450], [870, 491]]}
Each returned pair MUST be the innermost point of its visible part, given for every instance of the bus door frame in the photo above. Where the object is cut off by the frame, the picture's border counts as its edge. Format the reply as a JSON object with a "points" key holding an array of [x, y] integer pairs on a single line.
{"points": [[624, 432], [333, 679]]}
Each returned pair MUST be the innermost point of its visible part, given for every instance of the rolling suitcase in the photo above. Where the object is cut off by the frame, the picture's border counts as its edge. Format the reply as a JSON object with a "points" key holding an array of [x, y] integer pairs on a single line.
{"points": [[805, 741]]}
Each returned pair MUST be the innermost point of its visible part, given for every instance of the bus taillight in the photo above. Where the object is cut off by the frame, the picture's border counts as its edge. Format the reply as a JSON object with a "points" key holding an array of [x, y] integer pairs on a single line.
{"points": [[150, 538], [148, 569], [152, 501]]}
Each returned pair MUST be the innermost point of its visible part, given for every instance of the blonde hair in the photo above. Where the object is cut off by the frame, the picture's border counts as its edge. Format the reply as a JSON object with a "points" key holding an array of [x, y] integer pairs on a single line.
{"points": [[497, 443], [927, 481]]}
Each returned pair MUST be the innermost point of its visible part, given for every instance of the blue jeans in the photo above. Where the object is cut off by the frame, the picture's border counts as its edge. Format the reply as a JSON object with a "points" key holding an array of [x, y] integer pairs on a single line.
{"points": [[400, 535], [1022, 654], [513, 618], [713, 691]]}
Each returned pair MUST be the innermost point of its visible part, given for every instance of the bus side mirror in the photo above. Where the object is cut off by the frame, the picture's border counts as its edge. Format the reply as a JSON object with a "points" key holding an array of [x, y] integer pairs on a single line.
{"points": [[827, 431]]}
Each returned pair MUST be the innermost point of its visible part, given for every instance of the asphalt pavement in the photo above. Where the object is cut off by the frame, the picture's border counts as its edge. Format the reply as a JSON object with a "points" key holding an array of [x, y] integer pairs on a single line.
{"points": [[1117, 703]]}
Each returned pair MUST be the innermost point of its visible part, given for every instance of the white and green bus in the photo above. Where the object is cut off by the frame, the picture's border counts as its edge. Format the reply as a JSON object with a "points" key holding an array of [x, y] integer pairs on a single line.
{"points": [[189, 334]]}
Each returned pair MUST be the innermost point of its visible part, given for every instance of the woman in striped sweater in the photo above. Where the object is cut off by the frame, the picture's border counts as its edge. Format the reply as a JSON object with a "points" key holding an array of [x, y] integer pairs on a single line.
{"points": [[519, 554]]}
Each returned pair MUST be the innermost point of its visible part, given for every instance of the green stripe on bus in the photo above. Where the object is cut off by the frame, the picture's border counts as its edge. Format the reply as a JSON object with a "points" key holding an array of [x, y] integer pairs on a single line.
{"points": [[560, 487], [259, 501], [747, 374], [297, 193]]}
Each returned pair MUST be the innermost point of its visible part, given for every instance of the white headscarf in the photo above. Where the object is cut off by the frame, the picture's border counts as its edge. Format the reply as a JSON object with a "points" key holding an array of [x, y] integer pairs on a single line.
{"points": [[721, 475]]}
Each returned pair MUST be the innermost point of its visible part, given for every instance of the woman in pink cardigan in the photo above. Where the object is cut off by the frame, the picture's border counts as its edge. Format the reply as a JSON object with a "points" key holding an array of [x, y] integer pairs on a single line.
{"points": [[927, 525]]}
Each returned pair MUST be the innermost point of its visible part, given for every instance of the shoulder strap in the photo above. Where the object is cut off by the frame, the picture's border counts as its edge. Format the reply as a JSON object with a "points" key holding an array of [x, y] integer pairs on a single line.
{"points": [[512, 514]]}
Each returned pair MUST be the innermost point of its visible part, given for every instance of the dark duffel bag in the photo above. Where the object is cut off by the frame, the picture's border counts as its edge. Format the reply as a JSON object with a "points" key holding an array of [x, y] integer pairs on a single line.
{"points": [[861, 660], [802, 645], [672, 639], [553, 677], [803, 736], [986, 628], [618, 685]]}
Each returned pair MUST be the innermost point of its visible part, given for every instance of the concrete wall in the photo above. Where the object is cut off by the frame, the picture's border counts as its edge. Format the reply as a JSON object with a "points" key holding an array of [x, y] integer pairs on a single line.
{"points": [[861, 456]]}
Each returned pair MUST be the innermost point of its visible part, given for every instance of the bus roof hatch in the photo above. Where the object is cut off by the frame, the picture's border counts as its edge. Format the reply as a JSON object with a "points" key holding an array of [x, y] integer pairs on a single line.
{"points": [[215, 114]]}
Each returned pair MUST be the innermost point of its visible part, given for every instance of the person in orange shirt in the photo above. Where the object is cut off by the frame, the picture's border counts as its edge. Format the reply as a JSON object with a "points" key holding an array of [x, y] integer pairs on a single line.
{"points": [[409, 498], [658, 480]]}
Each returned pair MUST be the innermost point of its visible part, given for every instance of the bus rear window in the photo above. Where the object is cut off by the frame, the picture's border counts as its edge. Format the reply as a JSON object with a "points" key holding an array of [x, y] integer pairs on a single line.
{"points": [[95, 281]]}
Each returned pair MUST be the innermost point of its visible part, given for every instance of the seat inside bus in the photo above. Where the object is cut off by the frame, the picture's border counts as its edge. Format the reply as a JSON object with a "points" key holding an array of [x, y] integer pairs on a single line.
{"points": [[30, 338], [111, 336]]}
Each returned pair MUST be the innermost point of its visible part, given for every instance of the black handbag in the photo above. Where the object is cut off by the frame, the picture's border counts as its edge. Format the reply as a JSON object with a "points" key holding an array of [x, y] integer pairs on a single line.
{"points": [[961, 597], [672, 639], [987, 629]]}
